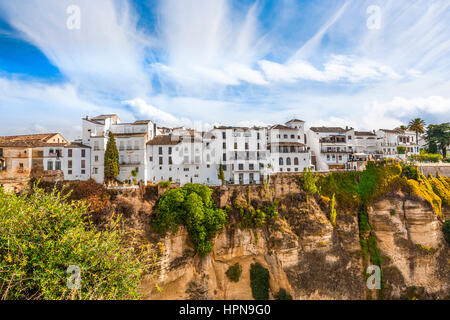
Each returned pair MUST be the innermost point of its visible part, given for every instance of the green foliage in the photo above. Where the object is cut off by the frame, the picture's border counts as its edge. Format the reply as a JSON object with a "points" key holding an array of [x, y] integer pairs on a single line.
{"points": [[410, 172], [234, 272], [438, 138], [259, 281], [309, 181], [221, 174], [446, 230], [426, 157], [392, 212], [401, 150], [42, 234], [333, 212], [193, 207], [375, 256], [255, 218], [165, 184], [282, 295], [112, 168], [134, 172]]}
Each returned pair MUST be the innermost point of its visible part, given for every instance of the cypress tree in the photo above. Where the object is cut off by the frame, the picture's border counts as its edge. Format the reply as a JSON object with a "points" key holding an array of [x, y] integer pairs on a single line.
{"points": [[112, 168], [221, 174]]}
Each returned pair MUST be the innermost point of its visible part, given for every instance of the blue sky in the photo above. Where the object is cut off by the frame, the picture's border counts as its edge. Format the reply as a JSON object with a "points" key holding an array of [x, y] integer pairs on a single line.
{"points": [[203, 62]]}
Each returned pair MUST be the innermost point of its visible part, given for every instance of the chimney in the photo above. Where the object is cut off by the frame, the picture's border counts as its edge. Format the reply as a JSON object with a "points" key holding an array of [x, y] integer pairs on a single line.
{"points": [[346, 128]]}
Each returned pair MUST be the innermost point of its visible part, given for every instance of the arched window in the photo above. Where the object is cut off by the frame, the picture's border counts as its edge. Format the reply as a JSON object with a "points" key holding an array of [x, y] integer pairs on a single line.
{"points": [[295, 161], [281, 161], [288, 161]]}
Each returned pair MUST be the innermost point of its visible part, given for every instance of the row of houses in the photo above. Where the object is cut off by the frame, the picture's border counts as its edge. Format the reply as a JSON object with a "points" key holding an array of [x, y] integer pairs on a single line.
{"points": [[149, 153]]}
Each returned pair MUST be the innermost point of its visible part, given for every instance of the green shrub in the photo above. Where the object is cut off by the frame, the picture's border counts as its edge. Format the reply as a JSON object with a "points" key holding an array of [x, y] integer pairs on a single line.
{"points": [[193, 207], [234, 272], [410, 172], [259, 281], [333, 212], [165, 184], [42, 234], [426, 157], [446, 230], [283, 295], [401, 150], [309, 181]]}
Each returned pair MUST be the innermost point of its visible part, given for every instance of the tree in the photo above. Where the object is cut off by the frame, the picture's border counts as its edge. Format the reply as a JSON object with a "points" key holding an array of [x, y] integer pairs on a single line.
{"points": [[403, 127], [418, 126], [43, 235], [438, 136], [112, 168], [309, 181], [221, 174]]}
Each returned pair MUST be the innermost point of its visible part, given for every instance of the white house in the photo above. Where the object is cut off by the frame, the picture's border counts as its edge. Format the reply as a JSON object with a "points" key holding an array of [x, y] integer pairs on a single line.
{"points": [[131, 139], [335, 145], [391, 140], [73, 159]]}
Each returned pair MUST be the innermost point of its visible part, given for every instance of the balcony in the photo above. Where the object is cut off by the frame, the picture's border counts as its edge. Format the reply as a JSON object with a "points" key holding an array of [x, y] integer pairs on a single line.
{"points": [[335, 150], [130, 163], [333, 139]]}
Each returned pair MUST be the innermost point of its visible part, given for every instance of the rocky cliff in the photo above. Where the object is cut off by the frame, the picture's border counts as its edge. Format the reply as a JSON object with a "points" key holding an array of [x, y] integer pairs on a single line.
{"points": [[305, 253]]}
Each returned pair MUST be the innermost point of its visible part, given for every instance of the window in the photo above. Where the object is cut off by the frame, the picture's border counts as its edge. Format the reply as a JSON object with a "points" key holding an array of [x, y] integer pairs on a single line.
{"points": [[261, 165], [251, 166], [224, 167], [83, 164], [246, 146], [257, 146], [224, 157], [121, 146], [280, 161], [69, 172], [170, 160], [235, 145], [170, 150], [224, 135], [95, 170], [150, 159], [224, 145], [83, 153], [257, 136], [288, 161], [69, 153], [50, 165], [83, 171], [69, 164], [328, 157], [241, 166], [160, 160], [96, 145], [185, 169], [285, 136], [340, 158], [96, 159], [292, 136], [251, 177], [160, 150], [349, 137], [58, 165], [295, 161]]}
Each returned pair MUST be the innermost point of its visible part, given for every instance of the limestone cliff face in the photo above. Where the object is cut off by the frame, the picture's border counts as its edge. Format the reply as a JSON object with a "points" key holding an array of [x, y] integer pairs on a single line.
{"points": [[416, 259], [309, 257]]}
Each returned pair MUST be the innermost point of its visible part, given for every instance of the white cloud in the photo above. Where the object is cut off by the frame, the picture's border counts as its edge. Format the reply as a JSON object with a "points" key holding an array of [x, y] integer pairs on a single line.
{"points": [[106, 54], [337, 68]]}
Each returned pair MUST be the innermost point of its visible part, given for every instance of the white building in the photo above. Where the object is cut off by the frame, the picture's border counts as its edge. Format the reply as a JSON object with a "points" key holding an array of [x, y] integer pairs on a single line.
{"points": [[131, 139], [73, 159], [287, 147], [391, 140], [335, 145]]}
